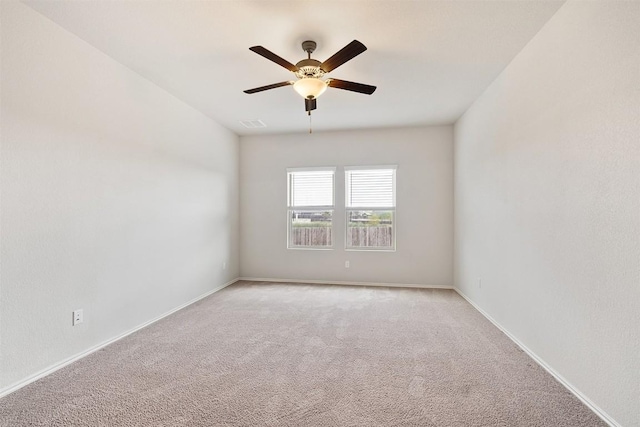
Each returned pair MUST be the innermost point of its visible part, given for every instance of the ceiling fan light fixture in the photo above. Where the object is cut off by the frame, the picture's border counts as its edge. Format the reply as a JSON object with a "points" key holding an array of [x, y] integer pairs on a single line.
{"points": [[310, 88], [310, 72]]}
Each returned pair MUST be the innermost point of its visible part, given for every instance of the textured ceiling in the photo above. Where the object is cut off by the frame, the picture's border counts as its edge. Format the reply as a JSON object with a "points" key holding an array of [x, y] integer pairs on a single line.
{"points": [[429, 59]]}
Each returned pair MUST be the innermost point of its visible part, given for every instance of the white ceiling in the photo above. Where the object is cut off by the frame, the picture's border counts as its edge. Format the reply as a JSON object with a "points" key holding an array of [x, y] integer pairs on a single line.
{"points": [[429, 59]]}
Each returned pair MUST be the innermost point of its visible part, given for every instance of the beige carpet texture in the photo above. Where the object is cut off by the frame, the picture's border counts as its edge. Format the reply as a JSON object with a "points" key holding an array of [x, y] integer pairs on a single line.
{"points": [[267, 354]]}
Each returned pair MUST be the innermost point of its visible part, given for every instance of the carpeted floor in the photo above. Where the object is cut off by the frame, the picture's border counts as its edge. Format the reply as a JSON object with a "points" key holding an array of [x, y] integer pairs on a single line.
{"points": [[264, 354]]}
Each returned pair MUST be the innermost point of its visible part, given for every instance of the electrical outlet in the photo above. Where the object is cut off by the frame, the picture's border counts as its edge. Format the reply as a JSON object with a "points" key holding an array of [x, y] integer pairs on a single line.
{"points": [[346, 264], [77, 317]]}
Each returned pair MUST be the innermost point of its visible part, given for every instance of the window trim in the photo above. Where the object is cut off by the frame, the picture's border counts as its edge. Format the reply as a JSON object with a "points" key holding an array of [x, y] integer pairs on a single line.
{"points": [[348, 209]]}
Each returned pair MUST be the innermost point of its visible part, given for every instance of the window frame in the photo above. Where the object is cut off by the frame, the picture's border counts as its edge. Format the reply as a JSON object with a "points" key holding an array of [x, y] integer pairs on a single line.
{"points": [[348, 208], [312, 208]]}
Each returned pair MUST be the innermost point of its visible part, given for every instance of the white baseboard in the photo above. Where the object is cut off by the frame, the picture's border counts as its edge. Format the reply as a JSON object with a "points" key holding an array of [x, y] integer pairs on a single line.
{"points": [[51, 369], [338, 282], [584, 399]]}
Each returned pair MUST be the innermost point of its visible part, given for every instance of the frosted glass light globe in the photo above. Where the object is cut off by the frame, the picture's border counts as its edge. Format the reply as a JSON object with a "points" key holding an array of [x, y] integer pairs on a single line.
{"points": [[310, 87]]}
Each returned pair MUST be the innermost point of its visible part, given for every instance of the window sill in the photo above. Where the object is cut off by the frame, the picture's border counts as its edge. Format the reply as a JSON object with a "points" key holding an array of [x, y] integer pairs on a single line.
{"points": [[310, 249], [369, 250]]}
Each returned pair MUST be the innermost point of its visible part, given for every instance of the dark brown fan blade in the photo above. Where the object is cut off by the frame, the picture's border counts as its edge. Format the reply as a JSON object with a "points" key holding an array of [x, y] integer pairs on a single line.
{"points": [[273, 57], [310, 104], [353, 87], [273, 86], [345, 54]]}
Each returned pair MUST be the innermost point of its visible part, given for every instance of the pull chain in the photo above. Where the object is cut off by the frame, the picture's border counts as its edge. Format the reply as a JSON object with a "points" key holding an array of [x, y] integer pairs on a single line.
{"points": [[310, 131]]}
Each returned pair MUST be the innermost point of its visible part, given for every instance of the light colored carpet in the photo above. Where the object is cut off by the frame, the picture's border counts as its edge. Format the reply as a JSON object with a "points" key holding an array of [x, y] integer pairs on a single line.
{"points": [[264, 354]]}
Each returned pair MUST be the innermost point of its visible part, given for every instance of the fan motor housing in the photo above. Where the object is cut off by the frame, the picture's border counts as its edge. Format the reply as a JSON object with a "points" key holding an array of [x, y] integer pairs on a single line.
{"points": [[309, 68]]}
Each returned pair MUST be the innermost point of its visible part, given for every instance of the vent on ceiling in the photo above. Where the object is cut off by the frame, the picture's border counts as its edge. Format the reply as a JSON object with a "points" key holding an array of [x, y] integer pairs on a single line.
{"points": [[253, 124]]}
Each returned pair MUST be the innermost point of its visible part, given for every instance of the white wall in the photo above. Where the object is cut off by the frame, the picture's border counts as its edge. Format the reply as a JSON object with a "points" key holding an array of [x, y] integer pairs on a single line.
{"points": [[547, 201], [424, 216], [116, 197]]}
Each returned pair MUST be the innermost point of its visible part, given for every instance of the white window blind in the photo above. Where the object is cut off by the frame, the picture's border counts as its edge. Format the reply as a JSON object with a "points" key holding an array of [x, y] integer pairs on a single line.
{"points": [[369, 188], [311, 188]]}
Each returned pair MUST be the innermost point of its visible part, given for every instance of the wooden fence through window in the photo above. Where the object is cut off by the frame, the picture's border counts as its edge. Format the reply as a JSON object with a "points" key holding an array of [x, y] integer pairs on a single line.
{"points": [[357, 237]]}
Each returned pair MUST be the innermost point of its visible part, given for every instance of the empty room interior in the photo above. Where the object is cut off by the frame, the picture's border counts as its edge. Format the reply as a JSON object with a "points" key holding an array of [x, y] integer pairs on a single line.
{"points": [[320, 213]]}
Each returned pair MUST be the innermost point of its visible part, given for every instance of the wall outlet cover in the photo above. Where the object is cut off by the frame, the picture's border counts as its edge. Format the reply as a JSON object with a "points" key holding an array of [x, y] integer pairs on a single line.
{"points": [[77, 317]]}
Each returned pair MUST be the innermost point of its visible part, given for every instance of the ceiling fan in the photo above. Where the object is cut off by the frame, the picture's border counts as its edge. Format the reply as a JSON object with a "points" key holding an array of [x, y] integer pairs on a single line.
{"points": [[310, 72]]}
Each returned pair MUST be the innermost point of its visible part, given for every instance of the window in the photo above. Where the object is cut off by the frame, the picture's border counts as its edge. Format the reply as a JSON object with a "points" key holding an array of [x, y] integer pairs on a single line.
{"points": [[370, 207], [310, 208]]}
